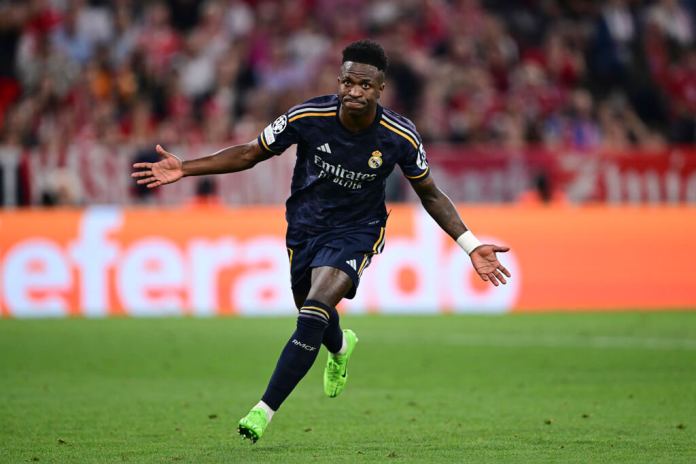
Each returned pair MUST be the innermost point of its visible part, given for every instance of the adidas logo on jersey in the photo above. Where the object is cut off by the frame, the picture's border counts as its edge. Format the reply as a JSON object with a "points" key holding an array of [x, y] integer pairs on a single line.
{"points": [[325, 148], [352, 263]]}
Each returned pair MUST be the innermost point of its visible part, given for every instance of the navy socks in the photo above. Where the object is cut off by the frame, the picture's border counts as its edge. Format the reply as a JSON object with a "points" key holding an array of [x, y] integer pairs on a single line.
{"points": [[333, 335], [317, 323]]}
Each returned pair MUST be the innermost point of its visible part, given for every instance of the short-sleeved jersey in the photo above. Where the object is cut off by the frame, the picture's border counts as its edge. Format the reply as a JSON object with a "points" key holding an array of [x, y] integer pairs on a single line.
{"points": [[339, 176]]}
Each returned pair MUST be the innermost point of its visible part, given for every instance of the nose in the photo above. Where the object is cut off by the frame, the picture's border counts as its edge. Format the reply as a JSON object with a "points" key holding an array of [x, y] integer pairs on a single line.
{"points": [[355, 91]]}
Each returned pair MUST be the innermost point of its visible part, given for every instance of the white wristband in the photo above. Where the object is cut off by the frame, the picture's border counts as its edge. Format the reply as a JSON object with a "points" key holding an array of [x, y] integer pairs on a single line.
{"points": [[468, 242]]}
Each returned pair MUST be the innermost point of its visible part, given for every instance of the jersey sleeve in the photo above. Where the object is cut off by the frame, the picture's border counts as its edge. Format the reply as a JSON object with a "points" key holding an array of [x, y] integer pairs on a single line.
{"points": [[414, 163], [279, 135]]}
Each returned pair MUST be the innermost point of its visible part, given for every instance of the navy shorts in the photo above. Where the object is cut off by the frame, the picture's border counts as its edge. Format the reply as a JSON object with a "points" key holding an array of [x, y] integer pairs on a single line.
{"points": [[349, 249]]}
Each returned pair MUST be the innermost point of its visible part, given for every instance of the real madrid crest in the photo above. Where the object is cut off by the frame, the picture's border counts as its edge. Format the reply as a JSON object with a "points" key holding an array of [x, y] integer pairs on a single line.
{"points": [[375, 160]]}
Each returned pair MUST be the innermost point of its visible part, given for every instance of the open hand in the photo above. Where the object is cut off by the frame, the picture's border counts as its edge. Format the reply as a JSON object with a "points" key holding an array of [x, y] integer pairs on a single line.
{"points": [[166, 171], [487, 265]]}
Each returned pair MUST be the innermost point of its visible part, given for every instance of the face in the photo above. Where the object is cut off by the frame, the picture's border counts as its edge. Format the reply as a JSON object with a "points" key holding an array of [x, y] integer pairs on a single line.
{"points": [[359, 87]]}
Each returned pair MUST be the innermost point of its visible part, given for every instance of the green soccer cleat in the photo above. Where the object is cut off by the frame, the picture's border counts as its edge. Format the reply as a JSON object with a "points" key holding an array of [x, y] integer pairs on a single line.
{"points": [[253, 424], [336, 371]]}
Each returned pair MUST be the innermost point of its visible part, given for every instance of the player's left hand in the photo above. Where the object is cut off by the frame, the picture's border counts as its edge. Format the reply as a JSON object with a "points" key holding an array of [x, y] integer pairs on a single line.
{"points": [[487, 265]]}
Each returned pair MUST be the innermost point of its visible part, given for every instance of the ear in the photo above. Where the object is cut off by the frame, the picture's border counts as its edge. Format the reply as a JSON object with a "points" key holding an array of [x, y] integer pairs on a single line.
{"points": [[382, 78]]}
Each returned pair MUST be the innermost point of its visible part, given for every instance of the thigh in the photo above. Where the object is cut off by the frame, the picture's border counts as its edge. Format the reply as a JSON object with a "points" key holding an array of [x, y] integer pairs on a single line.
{"points": [[329, 285], [300, 255], [351, 251], [344, 257], [340, 254]]}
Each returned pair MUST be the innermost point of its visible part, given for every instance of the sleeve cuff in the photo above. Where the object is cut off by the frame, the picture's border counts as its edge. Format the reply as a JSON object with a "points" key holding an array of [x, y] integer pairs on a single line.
{"points": [[264, 145], [422, 175]]}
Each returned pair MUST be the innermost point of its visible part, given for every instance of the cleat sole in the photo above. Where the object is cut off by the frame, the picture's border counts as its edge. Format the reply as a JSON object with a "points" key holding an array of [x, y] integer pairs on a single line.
{"points": [[247, 434]]}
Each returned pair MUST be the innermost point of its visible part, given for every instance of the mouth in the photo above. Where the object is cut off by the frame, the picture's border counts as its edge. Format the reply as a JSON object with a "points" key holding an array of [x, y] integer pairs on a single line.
{"points": [[353, 103]]}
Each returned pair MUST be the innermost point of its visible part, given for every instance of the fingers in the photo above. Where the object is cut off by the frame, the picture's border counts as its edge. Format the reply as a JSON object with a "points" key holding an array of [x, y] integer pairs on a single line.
{"points": [[164, 153], [488, 267], [489, 278], [501, 270], [492, 278], [499, 276], [146, 178], [161, 151], [496, 277], [151, 181]]}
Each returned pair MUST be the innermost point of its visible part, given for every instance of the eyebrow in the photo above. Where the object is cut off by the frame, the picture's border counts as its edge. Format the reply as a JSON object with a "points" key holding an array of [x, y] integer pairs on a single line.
{"points": [[364, 80]]}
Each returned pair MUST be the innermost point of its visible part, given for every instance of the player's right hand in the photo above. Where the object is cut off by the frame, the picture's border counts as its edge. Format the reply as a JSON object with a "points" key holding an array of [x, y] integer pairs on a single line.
{"points": [[166, 171]]}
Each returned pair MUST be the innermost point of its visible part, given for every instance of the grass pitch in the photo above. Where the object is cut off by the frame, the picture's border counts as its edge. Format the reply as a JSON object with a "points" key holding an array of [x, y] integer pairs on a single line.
{"points": [[519, 388]]}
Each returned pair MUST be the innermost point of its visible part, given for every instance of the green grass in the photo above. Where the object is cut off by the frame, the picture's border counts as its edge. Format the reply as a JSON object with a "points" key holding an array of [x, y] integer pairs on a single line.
{"points": [[519, 388]]}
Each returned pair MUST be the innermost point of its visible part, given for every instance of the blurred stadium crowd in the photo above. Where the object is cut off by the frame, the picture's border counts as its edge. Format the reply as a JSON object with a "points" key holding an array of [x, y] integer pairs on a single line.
{"points": [[576, 74]]}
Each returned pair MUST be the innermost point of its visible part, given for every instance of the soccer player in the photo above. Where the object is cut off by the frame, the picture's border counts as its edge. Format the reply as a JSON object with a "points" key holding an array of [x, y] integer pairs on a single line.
{"points": [[347, 145]]}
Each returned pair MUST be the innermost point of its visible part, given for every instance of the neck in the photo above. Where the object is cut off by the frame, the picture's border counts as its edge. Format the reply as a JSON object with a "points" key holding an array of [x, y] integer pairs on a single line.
{"points": [[356, 123]]}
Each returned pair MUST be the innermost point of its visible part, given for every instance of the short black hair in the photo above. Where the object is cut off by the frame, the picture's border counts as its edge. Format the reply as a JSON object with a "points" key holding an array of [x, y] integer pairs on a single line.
{"points": [[366, 52]]}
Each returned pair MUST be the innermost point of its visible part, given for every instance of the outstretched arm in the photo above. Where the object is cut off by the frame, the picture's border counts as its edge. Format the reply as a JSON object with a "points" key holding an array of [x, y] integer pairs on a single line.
{"points": [[441, 209], [172, 168]]}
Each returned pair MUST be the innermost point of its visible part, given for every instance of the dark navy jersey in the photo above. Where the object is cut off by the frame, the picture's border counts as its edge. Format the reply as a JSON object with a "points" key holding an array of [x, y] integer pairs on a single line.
{"points": [[339, 177]]}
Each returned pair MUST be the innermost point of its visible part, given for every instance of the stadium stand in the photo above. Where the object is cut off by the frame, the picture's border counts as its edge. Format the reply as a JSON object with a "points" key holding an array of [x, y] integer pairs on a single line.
{"points": [[554, 75]]}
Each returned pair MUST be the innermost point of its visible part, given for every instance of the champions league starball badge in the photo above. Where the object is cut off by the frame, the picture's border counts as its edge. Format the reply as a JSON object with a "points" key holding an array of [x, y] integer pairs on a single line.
{"points": [[375, 160], [280, 124]]}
